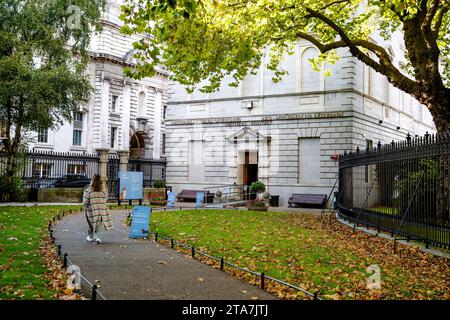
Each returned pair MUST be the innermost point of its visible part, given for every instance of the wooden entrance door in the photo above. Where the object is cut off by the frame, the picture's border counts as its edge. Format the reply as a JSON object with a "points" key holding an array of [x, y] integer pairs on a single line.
{"points": [[250, 168]]}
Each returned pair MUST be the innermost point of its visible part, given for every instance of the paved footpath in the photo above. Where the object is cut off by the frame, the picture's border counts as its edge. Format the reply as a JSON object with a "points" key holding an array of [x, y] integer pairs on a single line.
{"points": [[127, 268]]}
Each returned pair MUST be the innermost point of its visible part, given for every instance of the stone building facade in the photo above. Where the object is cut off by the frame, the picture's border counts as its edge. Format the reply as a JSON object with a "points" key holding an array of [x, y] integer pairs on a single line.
{"points": [[123, 113], [287, 134]]}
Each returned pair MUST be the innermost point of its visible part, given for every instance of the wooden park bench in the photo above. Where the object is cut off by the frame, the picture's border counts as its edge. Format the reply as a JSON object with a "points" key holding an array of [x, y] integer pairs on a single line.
{"points": [[191, 195], [299, 199]]}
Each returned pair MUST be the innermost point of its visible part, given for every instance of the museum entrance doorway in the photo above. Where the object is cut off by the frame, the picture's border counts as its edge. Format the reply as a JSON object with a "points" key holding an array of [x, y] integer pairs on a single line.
{"points": [[250, 169]]}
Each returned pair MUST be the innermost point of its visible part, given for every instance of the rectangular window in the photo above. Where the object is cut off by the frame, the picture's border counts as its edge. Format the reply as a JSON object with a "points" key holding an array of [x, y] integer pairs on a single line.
{"points": [[367, 171], [196, 163], [309, 161], [163, 147], [114, 103], [42, 170], [78, 121], [76, 169], [77, 129], [76, 137], [78, 117], [164, 112], [113, 137], [43, 136]]}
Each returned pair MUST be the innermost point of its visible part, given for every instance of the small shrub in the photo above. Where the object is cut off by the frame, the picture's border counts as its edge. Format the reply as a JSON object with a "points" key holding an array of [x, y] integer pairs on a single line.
{"points": [[10, 188], [159, 184], [257, 187]]}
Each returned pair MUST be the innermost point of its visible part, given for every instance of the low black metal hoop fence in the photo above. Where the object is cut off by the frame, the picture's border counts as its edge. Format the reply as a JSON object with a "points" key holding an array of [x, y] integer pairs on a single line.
{"points": [[402, 188], [221, 261], [95, 293], [262, 276]]}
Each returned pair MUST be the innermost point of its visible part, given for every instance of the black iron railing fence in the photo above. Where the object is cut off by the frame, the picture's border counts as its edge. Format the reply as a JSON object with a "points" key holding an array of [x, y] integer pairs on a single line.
{"points": [[45, 169], [402, 188], [152, 169], [48, 169]]}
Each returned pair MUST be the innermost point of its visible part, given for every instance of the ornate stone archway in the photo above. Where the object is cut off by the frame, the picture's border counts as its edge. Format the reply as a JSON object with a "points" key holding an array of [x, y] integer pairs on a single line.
{"points": [[140, 144]]}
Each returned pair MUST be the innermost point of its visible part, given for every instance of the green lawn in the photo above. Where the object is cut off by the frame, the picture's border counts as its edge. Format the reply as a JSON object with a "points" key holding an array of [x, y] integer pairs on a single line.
{"points": [[22, 268], [292, 247], [303, 251]]}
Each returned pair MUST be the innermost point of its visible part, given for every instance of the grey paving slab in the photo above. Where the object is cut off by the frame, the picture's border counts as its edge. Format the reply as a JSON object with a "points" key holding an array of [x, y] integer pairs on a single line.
{"points": [[127, 268]]}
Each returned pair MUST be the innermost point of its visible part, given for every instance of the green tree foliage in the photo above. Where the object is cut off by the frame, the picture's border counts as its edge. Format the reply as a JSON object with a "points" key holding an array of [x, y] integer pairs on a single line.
{"points": [[202, 41], [43, 55]]}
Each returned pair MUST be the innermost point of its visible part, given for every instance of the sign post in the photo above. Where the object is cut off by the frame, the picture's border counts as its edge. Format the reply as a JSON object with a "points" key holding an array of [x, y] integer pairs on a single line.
{"points": [[200, 200], [131, 186], [171, 200], [140, 222]]}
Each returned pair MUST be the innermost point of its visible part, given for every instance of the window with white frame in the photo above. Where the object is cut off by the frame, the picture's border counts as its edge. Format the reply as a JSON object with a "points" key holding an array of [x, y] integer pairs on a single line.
{"points": [[43, 136], [309, 160], [76, 169], [114, 103], [141, 103], [77, 129], [367, 168], [113, 138], [42, 170], [196, 163], [163, 147], [77, 137]]}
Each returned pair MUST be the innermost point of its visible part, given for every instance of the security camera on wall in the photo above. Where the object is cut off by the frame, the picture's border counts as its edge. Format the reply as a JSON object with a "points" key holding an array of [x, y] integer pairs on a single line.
{"points": [[249, 104]]}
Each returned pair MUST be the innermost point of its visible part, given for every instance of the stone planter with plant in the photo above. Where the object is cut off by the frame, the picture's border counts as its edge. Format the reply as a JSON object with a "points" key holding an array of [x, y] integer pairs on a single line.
{"points": [[260, 204], [158, 198]]}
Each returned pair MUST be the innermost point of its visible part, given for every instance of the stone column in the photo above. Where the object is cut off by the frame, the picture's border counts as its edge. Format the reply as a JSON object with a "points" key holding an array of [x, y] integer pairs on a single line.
{"points": [[157, 125], [104, 113], [123, 160], [103, 162], [125, 123]]}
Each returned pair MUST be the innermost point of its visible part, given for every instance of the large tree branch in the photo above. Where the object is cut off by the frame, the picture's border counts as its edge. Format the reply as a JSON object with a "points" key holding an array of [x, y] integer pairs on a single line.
{"points": [[438, 22], [332, 4], [384, 66], [434, 5]]}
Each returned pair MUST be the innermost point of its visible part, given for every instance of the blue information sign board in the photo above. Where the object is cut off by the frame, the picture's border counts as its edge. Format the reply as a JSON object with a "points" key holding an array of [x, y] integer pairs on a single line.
{"points": [[200, 200], [140, 222], [130, 185], [171, 199]]}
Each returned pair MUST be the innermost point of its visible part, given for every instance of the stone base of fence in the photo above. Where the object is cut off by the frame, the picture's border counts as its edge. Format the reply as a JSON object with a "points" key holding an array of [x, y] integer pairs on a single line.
{"points": [[63, 195]]}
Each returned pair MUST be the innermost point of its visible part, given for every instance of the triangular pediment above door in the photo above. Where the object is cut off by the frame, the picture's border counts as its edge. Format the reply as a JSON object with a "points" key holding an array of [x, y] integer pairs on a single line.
{"points": [[247, 133]]}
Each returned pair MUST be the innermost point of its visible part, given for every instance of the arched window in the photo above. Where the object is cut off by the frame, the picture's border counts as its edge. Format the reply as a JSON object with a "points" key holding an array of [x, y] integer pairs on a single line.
{"points": [[310, 77], [141, 104]]}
